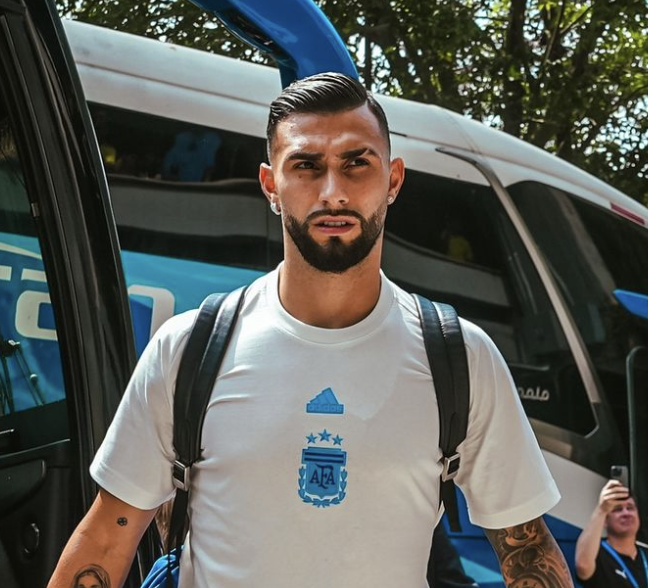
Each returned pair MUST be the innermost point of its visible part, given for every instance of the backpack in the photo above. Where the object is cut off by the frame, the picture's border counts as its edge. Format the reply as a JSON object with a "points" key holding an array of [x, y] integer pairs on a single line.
{"points": [[201, 362]]}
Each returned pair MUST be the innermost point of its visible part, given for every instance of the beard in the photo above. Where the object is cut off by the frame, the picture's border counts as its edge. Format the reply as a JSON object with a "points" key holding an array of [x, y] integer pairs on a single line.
{"points": [[335, 256]]}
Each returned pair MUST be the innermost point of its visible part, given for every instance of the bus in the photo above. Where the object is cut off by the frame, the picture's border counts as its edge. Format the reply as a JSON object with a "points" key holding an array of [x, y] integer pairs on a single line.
{"points": [[546, 258]]}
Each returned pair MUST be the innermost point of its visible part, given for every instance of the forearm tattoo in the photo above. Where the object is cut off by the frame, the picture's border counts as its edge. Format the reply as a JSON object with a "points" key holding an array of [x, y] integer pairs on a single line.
{"points": [[530, 557], [91, 576]]}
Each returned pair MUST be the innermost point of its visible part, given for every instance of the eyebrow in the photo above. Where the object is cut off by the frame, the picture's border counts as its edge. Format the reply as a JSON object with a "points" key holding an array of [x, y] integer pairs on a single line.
{"points": [[305, 156], [350, 154], [357, 152]]}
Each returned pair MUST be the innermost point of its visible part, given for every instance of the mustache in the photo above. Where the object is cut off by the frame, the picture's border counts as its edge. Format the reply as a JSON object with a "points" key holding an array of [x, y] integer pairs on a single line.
{"points": [[338, 212]]}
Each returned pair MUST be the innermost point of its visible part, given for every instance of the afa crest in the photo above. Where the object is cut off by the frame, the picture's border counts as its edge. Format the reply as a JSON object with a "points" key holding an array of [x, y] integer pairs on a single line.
{"points": [[323, 475]]}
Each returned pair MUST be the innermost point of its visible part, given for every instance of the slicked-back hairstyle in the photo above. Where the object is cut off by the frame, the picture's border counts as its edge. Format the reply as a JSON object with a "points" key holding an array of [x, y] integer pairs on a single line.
{"points": [[324, 93]]}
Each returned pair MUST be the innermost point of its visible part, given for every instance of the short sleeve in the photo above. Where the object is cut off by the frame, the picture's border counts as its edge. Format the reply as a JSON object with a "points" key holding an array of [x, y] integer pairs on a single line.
{"points": [[597, 578], [503, 474], [134, 462]]}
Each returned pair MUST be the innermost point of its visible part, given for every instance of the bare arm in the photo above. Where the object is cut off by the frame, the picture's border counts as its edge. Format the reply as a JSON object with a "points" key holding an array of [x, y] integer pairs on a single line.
{"points": [[529, 556], [589, 541], [104, 543]]}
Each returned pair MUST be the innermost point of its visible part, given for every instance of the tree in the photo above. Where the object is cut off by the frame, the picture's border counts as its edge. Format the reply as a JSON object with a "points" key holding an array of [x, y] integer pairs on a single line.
{"points": [[568, 76], [173, 21]]}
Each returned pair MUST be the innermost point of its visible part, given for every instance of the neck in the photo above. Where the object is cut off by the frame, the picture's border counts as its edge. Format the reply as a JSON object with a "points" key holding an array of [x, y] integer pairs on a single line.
{"points": [[624, 544], [326, 300]]}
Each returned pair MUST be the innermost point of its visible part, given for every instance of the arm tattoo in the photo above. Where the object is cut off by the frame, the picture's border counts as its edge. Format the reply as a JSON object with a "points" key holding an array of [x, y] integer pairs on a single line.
{"points": [[93, 576], [529, 556]]}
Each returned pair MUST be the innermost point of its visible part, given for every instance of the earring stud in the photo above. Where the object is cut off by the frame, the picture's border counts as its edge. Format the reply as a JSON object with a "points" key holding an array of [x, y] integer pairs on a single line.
{"points": [[275, 208], [390, 200]]}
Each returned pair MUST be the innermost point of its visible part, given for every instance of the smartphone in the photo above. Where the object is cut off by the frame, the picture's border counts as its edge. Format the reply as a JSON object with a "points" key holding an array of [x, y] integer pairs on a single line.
{"points": [[620, 473]]}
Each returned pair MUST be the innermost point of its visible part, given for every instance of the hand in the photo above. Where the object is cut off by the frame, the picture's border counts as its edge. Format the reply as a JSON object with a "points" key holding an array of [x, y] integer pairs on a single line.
{"points": [[612, 495]]}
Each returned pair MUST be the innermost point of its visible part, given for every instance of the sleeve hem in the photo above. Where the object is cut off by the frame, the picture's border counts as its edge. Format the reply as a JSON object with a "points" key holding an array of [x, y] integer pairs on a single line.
{"points": [[126, 491], [530, 510]]}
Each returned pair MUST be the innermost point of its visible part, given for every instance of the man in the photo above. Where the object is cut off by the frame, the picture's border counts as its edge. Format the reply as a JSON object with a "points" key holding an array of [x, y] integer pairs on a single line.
{"points": [[321, 453], [619, 561]]}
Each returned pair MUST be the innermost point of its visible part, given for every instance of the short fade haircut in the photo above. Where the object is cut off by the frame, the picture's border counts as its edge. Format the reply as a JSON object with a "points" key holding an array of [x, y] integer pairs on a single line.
{"points": [[324, 93]]}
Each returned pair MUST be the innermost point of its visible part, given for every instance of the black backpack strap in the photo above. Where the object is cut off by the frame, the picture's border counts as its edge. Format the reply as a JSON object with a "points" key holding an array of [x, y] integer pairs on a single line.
{"points": [[446, 353], [199, 366]]}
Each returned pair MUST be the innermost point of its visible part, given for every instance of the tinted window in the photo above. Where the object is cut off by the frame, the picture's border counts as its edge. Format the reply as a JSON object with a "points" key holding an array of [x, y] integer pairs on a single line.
{"points": [[30, 364], [190, 214], [186, 191], [453, 242], [606, 252]]}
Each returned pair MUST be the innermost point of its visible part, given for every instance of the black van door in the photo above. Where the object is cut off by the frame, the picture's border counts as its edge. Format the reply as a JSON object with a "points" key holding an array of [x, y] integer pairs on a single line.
{"points": [[66, 345]]}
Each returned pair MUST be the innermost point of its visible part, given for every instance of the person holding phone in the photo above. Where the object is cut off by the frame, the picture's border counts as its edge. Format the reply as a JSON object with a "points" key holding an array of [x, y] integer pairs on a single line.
{"points": [[618, 561]]}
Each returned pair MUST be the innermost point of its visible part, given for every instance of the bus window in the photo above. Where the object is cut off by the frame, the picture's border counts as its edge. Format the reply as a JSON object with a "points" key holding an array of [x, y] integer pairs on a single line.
{"points": [[606, 252], [30, 365], [487, 275], [187, 191]]}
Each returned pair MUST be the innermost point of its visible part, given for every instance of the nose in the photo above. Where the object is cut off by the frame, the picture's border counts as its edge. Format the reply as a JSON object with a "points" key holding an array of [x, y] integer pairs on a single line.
{"points": [[333, 190], [626, 513]]}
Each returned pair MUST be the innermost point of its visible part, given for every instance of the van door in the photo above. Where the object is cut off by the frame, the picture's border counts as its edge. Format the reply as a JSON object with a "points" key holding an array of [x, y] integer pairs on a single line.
{"points": [[66, 345]]}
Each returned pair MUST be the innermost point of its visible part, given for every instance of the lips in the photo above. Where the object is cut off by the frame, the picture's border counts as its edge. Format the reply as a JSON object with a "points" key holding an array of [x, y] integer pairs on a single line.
{"points": [[333, 224], [334, 221]]}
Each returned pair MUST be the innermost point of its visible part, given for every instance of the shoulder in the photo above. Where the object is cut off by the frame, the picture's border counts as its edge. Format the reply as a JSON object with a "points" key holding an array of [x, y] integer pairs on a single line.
{"points": [[604, 563], [642, 548], [176, 329], [479, 345], [477, 342], [167, 342], [171, 338]]}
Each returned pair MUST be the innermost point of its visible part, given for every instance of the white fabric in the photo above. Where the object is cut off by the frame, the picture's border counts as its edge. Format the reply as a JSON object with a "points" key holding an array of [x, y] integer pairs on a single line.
{"points": [[249, 524]]}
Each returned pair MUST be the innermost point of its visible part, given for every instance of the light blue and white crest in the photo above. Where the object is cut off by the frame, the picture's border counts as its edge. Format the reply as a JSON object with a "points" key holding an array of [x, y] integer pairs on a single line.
{"points": [[323, 475]]}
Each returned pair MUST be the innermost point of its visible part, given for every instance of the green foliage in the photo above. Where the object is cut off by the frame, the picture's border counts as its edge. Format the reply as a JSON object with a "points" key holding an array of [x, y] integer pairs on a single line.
{"points": [[567, 75], [173, 21]]}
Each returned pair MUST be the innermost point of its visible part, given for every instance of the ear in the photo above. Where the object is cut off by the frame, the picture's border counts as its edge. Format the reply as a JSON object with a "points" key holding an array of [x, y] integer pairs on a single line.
{"points": [[396, 176], [266, 179]]}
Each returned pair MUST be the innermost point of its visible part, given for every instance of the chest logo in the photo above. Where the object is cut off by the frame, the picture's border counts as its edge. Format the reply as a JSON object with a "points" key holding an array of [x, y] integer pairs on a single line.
{"points": [[325, 403], [323, 474], [622, 574]]}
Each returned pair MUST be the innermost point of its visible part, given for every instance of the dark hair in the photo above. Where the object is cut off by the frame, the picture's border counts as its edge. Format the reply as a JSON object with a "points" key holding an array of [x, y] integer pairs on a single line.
{"points": [[324, 93], [93, 570]]}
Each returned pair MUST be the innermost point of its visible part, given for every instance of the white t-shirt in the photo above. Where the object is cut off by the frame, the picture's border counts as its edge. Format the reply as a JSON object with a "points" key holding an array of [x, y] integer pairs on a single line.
{"points": [[321, 453]]}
